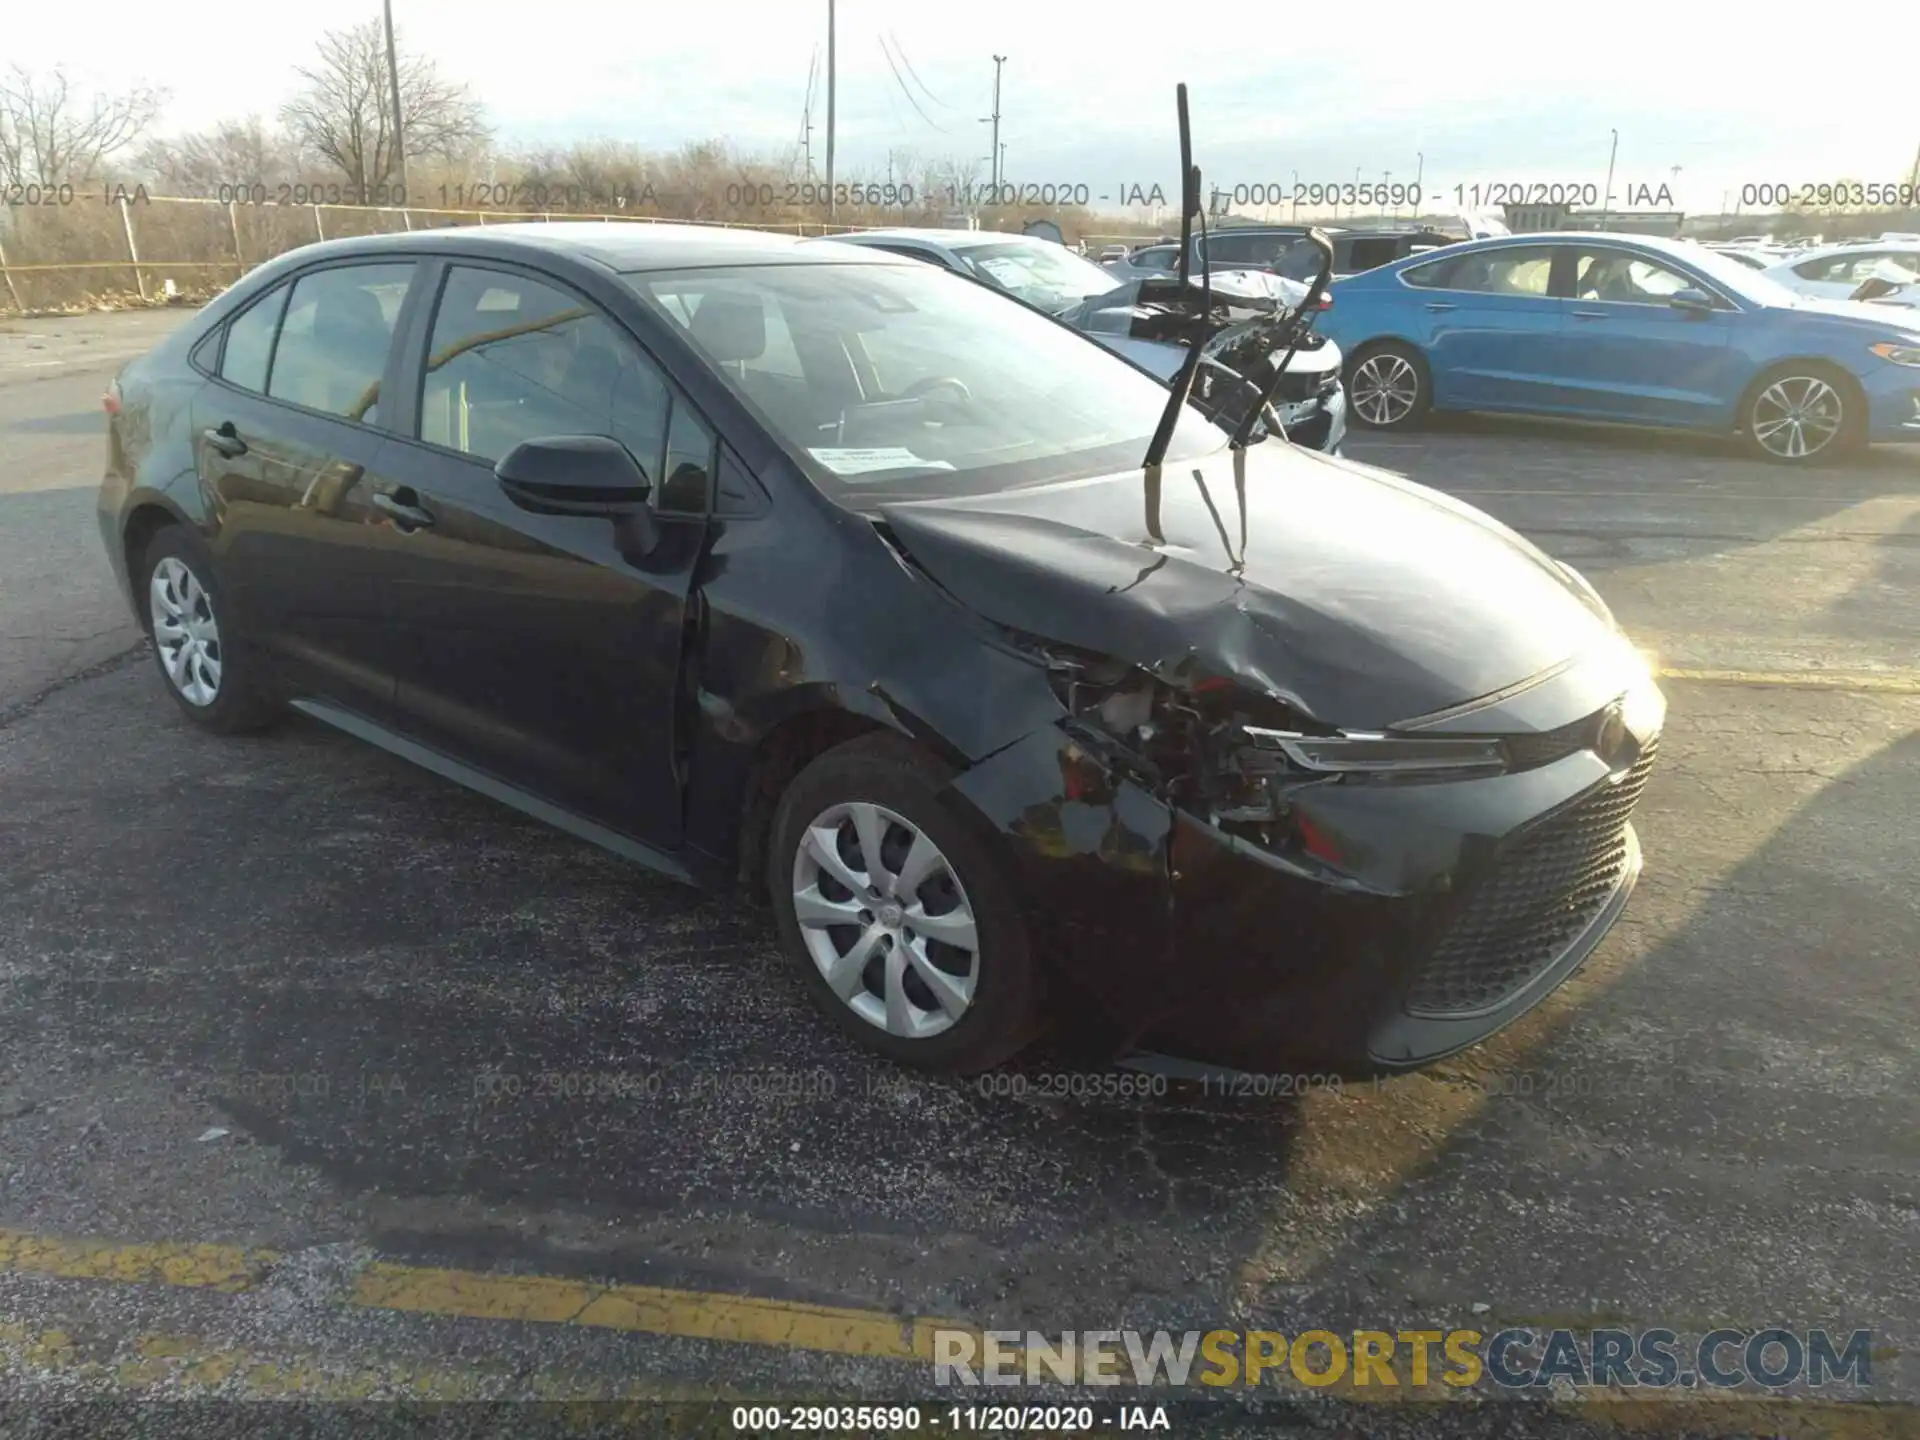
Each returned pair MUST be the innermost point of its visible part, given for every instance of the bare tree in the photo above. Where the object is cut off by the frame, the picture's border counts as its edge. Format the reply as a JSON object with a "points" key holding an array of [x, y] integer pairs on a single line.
{"points": [[234, 152], [50, 135], [345, 117]]}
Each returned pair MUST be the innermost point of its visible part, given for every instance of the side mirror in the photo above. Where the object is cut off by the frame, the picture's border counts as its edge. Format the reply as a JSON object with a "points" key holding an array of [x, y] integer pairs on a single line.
{"points": [[573, 475], [1691, 302], [1874, 288]]}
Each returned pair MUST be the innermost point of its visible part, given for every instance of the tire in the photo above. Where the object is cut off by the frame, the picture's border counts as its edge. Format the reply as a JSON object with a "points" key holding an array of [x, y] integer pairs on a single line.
{"points": [[1831, 415], [206, 666], [883, 783], [1382, 370]]}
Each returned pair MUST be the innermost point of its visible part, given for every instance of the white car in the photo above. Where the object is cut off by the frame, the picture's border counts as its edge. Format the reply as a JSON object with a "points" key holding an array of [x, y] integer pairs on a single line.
{"points": [[1833, 272]]}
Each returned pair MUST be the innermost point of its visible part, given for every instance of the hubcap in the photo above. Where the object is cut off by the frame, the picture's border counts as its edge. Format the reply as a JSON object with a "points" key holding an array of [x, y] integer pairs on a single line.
{"points": [[1384, 389], [1797, 416], [885, 920], [185, 631]]}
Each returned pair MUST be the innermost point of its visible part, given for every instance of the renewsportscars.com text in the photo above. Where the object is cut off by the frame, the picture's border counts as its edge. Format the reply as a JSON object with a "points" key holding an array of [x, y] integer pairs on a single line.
{"points": [[1511, 1359]]}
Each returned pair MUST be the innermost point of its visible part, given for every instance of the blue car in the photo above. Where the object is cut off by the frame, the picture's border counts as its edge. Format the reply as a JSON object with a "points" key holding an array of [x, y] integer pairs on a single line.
{"points": [[1622, 328]]}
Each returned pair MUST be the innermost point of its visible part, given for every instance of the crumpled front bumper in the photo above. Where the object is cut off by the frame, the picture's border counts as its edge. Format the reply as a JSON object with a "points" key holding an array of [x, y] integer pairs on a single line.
{"points": [[1177, 937], [1318, 424]]}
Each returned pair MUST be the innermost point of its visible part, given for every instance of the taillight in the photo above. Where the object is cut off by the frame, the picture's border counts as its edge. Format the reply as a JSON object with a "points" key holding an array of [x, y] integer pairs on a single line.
{"points": [[110, 401], [1326, 302]]}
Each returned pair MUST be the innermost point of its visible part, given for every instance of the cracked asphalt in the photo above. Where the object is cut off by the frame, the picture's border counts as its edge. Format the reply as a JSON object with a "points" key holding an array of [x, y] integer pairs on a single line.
{"points": [[288, 993]]}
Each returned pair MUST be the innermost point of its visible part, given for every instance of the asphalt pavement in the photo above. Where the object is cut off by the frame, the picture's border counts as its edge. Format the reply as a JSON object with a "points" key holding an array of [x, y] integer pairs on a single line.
{"points": [[320, 1076]]}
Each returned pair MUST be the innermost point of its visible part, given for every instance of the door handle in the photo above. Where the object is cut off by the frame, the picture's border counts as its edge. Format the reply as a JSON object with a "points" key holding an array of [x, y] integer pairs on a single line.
{"points": [[224, 439], [403, 506], [1588, 314], [1439, 305]]}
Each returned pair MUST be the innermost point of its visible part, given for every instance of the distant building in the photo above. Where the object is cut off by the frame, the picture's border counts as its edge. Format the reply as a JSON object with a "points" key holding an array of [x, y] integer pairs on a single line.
{"points": [[1531, 219]]}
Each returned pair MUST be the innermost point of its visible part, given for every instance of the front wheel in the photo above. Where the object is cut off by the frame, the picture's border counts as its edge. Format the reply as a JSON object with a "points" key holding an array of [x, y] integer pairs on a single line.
{"points": [[900, 918], [1388, 387], [1802, 413]]}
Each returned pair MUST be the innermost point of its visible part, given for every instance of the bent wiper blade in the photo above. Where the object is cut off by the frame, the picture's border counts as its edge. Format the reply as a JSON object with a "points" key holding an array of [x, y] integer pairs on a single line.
{"points": [[1183, 382], [1295, 332]]}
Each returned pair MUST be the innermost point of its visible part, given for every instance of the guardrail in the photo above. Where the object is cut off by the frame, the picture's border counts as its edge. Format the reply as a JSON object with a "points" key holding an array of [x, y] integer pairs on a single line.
{"points": [[52, 257]]}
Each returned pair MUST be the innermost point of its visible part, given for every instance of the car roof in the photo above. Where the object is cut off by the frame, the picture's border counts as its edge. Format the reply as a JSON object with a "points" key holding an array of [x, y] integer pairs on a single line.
{"points": [[625, 246], [955, 239], [1822, 252]]}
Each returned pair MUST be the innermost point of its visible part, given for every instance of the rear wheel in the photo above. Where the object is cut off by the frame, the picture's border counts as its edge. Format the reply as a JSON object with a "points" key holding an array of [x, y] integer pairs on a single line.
{"points": [[207, 667], [1388, 386], [900, 918], [1801, 413]]}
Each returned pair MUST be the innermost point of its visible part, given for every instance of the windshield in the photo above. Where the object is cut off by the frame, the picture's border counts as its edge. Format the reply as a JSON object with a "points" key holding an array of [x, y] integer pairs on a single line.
{"points": [[888, 381], [1049, 276]]}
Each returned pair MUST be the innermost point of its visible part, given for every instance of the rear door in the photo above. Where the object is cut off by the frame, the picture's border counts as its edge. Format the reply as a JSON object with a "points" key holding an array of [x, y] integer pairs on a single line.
{"points": [[287, 437], [1630, 355], [1491, 327], [544, 649]]}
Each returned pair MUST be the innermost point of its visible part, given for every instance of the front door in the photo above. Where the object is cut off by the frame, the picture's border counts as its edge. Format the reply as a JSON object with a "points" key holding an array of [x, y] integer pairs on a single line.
{"points": [[286, 441], [546, 650], [1631, 355]]}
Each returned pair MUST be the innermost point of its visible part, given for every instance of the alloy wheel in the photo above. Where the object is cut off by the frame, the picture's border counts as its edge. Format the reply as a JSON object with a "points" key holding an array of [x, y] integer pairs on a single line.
{"points": [[886, 920], [1797, 416], [185, 631], [1385, 389]]}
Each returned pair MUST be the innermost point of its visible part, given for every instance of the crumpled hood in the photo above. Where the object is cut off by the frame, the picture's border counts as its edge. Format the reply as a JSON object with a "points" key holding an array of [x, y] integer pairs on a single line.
{"points": [[1361, 598]]}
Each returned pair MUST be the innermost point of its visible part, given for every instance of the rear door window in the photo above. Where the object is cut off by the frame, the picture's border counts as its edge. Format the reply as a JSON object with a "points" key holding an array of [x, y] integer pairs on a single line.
{"points": [[333, 342]]}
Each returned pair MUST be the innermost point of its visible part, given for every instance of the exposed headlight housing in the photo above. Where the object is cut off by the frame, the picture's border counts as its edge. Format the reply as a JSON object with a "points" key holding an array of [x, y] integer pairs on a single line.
{"points": [[1895, 353]]}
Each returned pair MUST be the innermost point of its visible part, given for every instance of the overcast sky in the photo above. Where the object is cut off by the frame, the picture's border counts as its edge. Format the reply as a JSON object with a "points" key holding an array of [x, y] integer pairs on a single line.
{"points": [[1523, 93]]}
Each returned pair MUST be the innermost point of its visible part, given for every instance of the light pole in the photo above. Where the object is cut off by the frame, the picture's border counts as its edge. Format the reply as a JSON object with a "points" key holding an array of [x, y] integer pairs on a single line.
{"points": [[830, 110], [1606, 200], [393, 96], [1419, 169], [1296, 194], [1385, 177], [994, 147]]}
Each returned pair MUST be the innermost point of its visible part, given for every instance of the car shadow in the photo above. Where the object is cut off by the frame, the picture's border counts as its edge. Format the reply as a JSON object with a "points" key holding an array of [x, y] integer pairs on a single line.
{"points": [[1713, 1125], [418, 993]]}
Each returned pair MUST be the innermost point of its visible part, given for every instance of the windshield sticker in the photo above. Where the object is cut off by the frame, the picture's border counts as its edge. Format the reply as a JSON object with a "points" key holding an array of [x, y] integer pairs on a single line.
{"points": [[863, 462]]}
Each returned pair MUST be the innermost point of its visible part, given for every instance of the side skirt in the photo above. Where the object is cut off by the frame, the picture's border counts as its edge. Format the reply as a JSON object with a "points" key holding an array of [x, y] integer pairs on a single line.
{"points": [[524, 801]]}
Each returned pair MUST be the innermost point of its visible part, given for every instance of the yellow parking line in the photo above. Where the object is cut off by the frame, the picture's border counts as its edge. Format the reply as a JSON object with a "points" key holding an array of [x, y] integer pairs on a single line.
{"points": [[1898, 682], [533, 1299], [216, 1267], [701, 1315]]}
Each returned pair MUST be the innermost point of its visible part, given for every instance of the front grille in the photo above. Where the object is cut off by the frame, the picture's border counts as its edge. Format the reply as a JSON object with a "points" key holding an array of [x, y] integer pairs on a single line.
{"points": [[1295, 388], [1548, 888]]}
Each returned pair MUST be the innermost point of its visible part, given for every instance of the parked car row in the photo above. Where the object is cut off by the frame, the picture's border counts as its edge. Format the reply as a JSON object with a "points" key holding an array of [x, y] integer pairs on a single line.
{"points": [[1107, 303], [1632, 329]]}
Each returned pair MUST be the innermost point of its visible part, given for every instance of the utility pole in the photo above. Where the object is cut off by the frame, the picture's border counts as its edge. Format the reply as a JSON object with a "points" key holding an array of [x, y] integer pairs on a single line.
{"points": [[994, 146], [1606, 200], [830, 76], [806, 116], [393, 95]]}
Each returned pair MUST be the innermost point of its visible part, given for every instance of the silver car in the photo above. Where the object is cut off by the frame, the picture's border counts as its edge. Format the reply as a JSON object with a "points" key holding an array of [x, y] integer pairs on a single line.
{"points": [[1108, 303]]}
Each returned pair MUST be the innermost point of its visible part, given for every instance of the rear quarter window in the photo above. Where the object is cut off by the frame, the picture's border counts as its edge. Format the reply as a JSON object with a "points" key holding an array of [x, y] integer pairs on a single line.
{"points": [[1428, 276]]}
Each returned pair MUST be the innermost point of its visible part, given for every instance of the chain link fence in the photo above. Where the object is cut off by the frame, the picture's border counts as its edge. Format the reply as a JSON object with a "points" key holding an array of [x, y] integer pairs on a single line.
{"points": [[96, 252]]}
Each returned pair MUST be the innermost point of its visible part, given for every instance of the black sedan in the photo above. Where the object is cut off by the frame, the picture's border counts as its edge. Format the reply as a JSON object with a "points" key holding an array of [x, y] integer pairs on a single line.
{"points": [[828, 574]]}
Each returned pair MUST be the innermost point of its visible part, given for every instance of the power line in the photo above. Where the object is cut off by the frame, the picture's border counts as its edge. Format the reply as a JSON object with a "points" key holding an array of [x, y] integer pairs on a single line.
{"points": [[901, 50], [903, 86]]}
